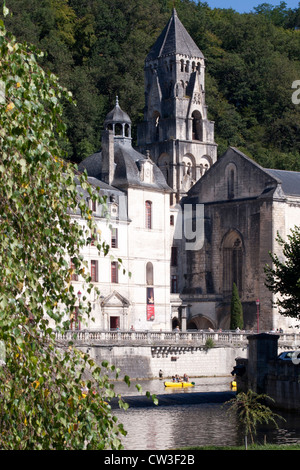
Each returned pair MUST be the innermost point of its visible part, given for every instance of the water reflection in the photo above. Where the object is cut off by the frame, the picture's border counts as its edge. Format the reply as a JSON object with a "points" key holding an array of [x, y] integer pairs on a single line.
{"points": [[175, 426], [160, 428]]}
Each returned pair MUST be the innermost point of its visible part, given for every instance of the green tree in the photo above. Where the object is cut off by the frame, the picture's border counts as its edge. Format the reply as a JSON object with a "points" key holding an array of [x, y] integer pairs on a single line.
{"points": [[283, 276], [250, 411], [236, 310], [42, 401]]}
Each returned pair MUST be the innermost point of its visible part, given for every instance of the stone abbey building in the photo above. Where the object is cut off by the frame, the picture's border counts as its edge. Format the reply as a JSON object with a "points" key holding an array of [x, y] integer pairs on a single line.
{"points": [[241, 205]]}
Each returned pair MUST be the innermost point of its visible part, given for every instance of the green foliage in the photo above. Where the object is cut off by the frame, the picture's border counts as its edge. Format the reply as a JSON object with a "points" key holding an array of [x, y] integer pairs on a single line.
{"points": [[98, 48], [236, 310], [283, 276], [43, 404], [209, 343], [250, 411]]}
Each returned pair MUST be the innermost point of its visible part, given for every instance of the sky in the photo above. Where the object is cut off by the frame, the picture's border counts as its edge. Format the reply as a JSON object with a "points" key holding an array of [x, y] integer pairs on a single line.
{"points": [[245, 6]]}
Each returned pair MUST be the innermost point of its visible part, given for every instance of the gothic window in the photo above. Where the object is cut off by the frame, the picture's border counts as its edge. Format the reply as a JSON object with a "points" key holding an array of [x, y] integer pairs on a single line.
{"points": [[197, 126], [182, 65], [149, 274], [187, 66], [232, 263], [148, 214]]}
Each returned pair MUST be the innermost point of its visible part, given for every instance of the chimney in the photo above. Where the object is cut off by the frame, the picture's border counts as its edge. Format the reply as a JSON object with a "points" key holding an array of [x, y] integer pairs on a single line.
{"points": [[108, 162]]}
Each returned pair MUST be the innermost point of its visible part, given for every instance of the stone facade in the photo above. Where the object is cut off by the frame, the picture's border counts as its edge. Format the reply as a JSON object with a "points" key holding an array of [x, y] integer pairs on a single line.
{"points": [[245, 207], [149, 189]]}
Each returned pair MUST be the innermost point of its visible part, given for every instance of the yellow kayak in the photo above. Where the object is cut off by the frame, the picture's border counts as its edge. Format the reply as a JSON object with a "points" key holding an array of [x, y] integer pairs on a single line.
{"points": [[179, 384]]}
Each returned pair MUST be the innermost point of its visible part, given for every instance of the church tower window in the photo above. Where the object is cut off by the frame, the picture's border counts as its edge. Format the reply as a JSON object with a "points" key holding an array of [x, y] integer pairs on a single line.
{"points": [[197, 126]]}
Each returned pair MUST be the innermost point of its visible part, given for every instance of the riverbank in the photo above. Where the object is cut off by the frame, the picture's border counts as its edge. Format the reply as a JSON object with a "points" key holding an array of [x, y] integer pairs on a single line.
{"points": [[176, 399]]}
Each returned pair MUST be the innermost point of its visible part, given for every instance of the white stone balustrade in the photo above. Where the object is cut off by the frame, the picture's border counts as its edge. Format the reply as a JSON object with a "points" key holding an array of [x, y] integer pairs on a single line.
{"points": [[192, 338]]}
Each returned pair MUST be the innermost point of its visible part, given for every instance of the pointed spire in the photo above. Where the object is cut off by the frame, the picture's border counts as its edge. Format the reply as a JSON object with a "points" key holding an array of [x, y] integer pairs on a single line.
{"points": [[174, 39], [117, 100]]}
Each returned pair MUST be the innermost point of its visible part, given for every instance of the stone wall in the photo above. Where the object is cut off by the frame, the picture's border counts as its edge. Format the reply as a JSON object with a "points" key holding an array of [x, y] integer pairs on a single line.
{"points": [[263, 373], [140, 362]]}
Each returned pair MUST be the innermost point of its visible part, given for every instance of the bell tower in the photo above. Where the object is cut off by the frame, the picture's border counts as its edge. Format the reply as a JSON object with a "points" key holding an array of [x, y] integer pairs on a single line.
{"points": [[175, 128]]}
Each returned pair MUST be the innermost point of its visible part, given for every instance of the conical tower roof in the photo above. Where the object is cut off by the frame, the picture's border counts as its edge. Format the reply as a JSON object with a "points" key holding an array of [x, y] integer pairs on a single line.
{"points": [[174, 39]]}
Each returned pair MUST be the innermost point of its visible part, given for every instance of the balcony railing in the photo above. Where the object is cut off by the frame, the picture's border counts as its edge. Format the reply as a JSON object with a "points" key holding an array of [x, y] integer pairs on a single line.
{"points": [[156, 338]]}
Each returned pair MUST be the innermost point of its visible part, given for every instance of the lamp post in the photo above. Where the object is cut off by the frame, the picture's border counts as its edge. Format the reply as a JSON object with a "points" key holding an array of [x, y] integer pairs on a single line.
{"points": [[77, 312], [257, 314]]}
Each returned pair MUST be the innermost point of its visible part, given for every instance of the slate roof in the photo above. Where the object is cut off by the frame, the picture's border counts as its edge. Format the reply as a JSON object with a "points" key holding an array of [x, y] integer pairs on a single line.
{"points": [[92, 164], [174, 39], [117, 115], [127, 170], [290, 180]]}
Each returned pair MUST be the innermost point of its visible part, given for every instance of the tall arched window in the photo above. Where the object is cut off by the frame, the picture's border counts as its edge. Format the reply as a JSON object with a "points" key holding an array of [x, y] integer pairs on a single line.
{"points": [[231, 178], [148, 214], [197, 126], [149, 274], [231, 184], [232, 262]]}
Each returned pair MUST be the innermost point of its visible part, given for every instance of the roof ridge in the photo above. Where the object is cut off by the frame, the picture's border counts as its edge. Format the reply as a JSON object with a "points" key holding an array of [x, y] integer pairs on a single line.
{"points": [[166, 35]]}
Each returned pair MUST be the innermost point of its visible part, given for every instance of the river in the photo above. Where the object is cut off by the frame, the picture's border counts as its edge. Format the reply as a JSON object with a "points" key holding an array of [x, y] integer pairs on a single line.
{"points": [[167, 427]]}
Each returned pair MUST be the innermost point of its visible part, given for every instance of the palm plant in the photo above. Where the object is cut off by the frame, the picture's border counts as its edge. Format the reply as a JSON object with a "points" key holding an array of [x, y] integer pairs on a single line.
{"points": [[251, 410]]}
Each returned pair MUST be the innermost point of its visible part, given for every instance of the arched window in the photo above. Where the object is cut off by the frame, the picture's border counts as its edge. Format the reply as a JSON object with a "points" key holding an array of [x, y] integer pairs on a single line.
{"points": [[149, 274], [197, 126], [231, 184], [232, 262], [231, 179], [148, 214], [118, 129]]}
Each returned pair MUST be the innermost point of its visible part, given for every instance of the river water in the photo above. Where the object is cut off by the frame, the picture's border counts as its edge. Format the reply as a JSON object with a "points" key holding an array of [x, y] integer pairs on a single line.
{"points": [[167, 427]]}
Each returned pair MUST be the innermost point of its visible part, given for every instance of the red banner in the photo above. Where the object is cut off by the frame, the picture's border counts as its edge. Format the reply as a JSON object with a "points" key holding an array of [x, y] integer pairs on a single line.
{"points": [[150, 304]]}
